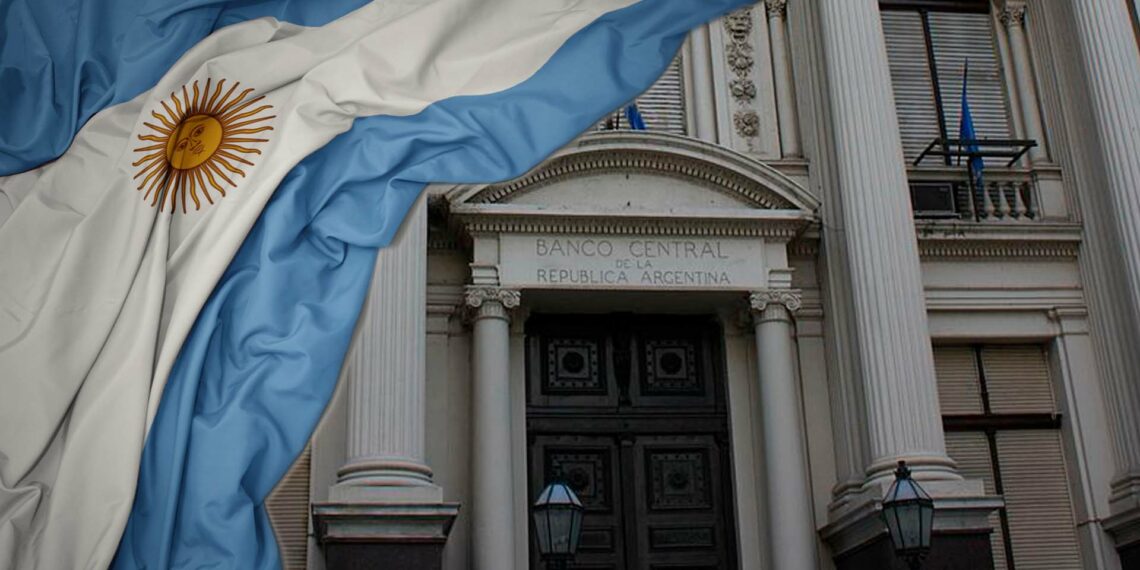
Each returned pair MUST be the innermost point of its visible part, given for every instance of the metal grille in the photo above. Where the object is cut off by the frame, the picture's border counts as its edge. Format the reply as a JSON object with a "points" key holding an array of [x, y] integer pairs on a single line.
{"points": [[956, 38], [957, 372], [1002, 427], [288, 508], [910, 76], [971, 451], [1018, 380], [662, 105], [929, 50], [1041, 522]]}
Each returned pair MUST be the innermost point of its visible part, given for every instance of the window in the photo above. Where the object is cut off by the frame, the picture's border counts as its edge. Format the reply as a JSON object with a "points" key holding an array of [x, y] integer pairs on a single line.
{"points": [[662, 106], [1003, 427], [928, 45]]}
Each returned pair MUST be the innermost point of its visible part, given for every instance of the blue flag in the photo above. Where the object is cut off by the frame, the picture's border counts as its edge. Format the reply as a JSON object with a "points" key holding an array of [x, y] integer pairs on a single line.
{"points": [[967, 133], [635, 121]]}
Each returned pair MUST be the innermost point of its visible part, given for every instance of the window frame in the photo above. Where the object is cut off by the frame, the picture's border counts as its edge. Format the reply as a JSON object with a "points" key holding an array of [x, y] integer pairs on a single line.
{"points": [[990, 423], [924, 8]]}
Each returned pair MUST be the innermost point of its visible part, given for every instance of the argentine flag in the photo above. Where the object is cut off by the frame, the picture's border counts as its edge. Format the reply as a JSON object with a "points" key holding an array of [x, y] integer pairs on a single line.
{"points": [[192, 194]]}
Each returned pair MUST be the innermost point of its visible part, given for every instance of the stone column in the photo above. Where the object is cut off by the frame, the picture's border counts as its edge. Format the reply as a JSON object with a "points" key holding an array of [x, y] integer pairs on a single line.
{"points": [[1012, 16], [791, 529], [386, 374], [704, 102], [384, 503], [492, 490], [896, 363], [785, 84], [1107, 46]]}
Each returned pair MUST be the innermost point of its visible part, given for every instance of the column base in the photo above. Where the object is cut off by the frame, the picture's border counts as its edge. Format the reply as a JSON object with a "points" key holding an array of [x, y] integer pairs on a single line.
{"points": [[858, 539], [356, 536], [1124, 524]]}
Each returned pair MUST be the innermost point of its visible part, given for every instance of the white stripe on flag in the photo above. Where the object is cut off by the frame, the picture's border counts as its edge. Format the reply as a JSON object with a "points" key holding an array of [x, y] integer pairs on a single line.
{"points": [[99, 289]]}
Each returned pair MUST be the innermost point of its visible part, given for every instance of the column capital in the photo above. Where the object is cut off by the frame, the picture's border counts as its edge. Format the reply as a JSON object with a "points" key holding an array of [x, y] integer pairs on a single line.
{"points": [[490, 301], [777, 8], [1012, 12], [790, 299]]}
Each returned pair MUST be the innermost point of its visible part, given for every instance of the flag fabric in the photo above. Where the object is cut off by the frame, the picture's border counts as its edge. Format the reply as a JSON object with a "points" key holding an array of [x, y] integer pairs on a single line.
{"points": [[60, 63], [967, 133], [636, 122], [206, 243]]}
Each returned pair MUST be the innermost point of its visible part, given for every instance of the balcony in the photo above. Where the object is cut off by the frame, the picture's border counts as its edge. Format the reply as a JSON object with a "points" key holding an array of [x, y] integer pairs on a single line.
{"points": [[1007, 191], [1007, 195]]}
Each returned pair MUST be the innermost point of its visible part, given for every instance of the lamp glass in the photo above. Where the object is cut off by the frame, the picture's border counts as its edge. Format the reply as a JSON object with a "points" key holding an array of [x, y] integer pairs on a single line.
{"points": [[557, 521], [908, 512]]}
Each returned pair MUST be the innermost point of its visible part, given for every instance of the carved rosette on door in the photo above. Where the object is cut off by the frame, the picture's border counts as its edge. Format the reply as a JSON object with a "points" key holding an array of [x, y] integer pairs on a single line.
{"points": [[629, 411]]}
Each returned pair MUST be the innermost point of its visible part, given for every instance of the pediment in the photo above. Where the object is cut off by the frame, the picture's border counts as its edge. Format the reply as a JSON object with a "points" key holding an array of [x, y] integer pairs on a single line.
{"points": [[631, 172], [639, 183]]}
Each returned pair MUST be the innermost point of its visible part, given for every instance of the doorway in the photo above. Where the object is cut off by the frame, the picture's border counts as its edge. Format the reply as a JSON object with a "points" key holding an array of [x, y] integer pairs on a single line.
{"points": [[630, 412]]}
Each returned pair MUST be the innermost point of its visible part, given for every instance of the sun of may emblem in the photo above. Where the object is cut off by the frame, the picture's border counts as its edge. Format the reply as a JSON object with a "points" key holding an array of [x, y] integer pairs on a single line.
{"points": [[200, 145]]}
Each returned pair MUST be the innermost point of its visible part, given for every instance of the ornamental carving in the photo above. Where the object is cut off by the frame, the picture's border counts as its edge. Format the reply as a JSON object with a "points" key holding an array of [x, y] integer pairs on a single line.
{"points": [[742, 89], [777, 8], [738, 54], [747, 123], [476, 296], [1012, 15], [759, 300]]}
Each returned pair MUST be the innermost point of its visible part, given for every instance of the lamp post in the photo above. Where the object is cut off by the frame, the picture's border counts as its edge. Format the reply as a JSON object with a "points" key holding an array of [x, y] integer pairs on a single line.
{"points": [[557, 524], [909, 515]]}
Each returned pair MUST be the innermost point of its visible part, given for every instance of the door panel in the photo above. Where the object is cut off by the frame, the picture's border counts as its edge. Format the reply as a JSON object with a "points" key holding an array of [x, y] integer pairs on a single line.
{"points": [[681, 508], [629, 411], [590, 465]]}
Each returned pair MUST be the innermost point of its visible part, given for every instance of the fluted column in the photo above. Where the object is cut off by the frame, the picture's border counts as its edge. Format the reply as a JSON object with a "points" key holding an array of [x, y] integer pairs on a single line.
{"points": [[791, 530], [1012, 16], [896, 363], [1112, 66], [492, 492], [782, 74], [386, 375]]}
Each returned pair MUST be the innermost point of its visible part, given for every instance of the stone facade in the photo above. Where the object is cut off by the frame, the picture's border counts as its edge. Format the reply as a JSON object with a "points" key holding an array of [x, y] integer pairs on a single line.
{"points": [[785, 214]]}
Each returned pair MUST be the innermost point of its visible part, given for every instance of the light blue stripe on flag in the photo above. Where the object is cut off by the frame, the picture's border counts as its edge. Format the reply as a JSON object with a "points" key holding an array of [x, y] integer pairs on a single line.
{"points": [[260, 365], [63, 61]]}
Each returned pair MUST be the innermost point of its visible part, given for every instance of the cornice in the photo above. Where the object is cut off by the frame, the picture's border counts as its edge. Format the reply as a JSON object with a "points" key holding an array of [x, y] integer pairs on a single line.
{"points": [[969, 240], [952, 239], [776, 224], [707, 165]]}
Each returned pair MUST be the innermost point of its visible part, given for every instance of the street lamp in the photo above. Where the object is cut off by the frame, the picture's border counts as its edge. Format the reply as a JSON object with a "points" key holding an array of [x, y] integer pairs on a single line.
{"points": [[557, 524], [909, 514]]}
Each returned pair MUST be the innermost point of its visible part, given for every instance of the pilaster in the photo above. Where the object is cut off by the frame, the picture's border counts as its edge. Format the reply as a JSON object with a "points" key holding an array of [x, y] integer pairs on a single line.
{"points": [[785, 84], [704, 98], [1012, 14]]}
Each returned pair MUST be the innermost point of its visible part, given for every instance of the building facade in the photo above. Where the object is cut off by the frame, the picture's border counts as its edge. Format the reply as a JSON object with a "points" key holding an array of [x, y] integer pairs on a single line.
{"points": [[726, 330]]}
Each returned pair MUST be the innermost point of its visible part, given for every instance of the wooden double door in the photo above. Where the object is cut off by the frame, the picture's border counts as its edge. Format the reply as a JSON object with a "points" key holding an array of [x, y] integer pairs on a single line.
{"points": [[630, 412]]}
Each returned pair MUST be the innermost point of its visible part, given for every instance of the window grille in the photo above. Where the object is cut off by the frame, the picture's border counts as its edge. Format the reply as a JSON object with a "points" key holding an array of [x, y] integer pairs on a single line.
{"points": [[662, 105], [1003, 427], [927, 50], [288, 509]]}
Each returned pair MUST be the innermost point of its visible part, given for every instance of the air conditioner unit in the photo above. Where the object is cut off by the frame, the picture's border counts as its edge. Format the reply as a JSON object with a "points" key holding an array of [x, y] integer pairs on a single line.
{"points": [[933, 200]]}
